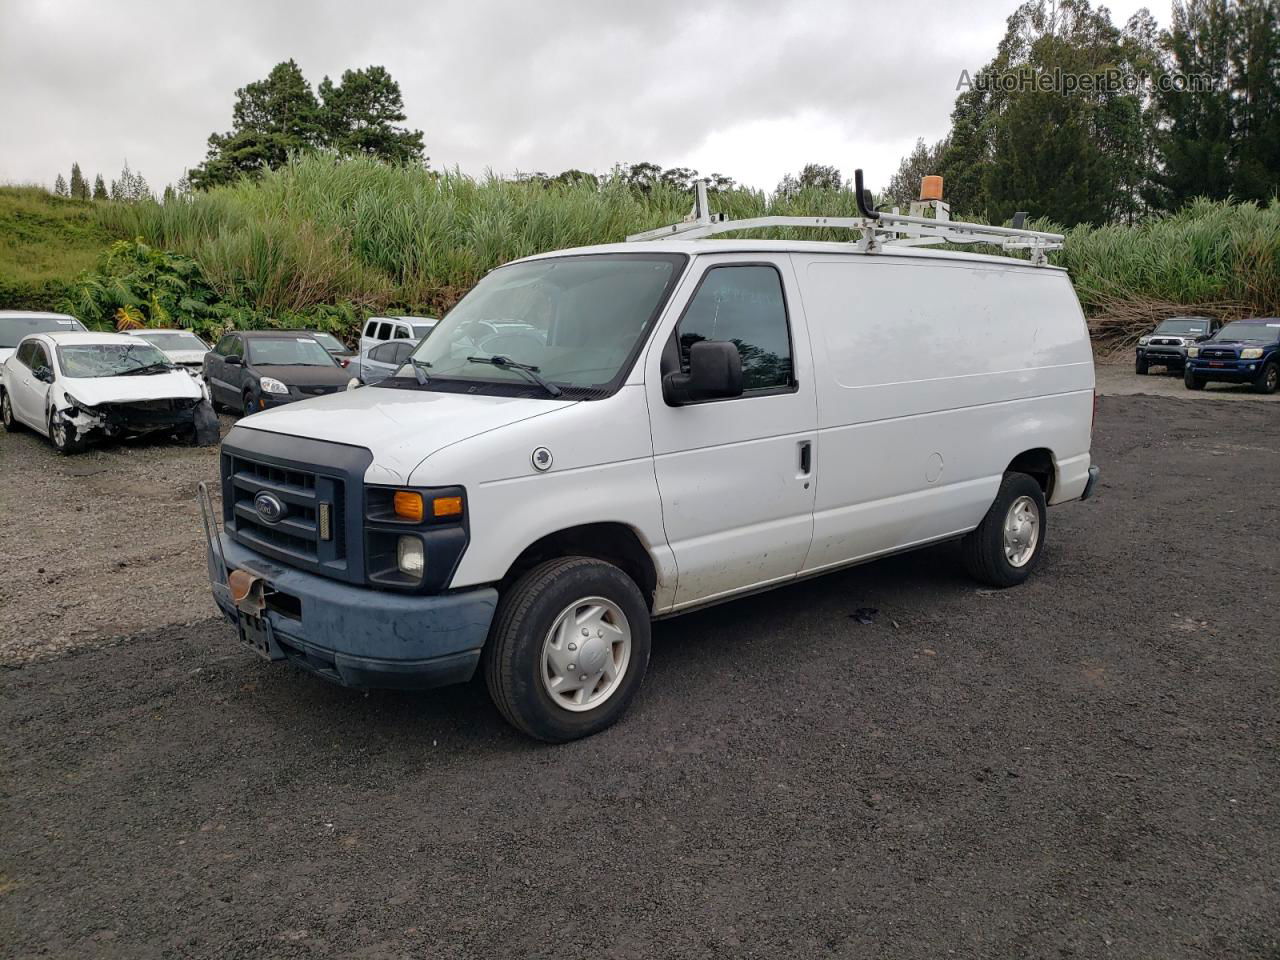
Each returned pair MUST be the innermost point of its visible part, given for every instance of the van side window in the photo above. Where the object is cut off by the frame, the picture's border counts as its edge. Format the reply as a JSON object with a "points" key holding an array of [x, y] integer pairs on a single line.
{"points": [[384, 331], [743, 304], [371, 329]]}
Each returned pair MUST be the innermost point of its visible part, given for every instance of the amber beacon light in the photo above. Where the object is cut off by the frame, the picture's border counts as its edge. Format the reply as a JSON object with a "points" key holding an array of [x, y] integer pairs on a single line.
{"points": [[931, 188]]}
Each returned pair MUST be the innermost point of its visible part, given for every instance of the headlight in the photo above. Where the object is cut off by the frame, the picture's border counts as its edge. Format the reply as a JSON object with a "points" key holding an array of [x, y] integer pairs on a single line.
{"points": [[83, 407], [272, 385], [1251, 353], [1193, 351], [411, 557], [1143, 341]]}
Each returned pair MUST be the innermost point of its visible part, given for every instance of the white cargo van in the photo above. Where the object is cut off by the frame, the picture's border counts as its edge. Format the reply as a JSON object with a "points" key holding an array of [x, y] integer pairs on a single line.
{"points": [[597, 437]]}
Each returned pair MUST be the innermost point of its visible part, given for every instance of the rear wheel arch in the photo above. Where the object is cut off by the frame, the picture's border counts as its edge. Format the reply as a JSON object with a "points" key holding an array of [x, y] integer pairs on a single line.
{"points": [[610, 541], [1038, 464]]}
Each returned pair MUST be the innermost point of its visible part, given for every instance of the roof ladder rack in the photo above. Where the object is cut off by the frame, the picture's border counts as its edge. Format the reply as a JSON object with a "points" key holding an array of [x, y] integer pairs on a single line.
{"points": [[876, 229]]}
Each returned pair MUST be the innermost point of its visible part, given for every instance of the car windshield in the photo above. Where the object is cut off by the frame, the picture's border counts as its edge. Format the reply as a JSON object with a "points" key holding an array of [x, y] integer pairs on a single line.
{"points": [[13, 329], [330, 342], [289, 352], [1183, 325], [1253, 332], [83, 360], [576, 320], [175, 340]]}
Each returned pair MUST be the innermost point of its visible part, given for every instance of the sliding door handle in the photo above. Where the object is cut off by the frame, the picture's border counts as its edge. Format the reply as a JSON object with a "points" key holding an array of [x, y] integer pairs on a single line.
{"points": [[806, 457]]}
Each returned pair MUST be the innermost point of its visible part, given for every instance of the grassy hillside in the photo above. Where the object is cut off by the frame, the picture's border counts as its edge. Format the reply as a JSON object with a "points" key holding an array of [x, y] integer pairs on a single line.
{"points": [[326, 242], [45, 242]]}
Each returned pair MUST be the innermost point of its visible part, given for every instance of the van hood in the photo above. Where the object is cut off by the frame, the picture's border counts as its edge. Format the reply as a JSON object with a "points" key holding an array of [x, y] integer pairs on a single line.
{"points": [[157, 386], [6, 353], [400, 427]]}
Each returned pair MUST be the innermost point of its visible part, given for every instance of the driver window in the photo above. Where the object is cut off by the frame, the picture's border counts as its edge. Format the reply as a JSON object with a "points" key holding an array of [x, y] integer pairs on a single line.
{"points": [[744, 305], [39, 357]]}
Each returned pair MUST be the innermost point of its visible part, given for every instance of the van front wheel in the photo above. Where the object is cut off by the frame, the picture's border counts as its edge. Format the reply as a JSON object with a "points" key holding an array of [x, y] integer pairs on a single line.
{"points": [[1008, 543], [568, 648]]}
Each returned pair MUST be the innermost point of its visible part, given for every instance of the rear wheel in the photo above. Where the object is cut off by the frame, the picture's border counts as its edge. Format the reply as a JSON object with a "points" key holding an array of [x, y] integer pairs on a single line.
{"points": [[1008, 543], [1269, 379], [1191, 381], [568, 649], [6, 413]]}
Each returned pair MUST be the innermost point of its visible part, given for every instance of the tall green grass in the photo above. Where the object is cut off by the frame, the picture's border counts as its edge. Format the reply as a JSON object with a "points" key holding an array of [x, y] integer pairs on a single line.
{"points": [[359, 233]]}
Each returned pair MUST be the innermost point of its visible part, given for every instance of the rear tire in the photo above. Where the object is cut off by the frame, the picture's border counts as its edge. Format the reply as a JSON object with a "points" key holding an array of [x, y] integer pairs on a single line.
{"points": [[10, 422], [1269, 379], [549, 612], [1191, 381], [1007, 545]]}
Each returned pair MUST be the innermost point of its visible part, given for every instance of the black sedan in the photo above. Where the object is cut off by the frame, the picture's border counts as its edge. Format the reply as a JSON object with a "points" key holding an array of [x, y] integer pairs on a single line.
{"points": [[254, 370]]}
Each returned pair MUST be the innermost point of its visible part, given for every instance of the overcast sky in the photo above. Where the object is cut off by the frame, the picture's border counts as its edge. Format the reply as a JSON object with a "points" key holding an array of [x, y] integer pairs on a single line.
{"points": [[750, 89]]}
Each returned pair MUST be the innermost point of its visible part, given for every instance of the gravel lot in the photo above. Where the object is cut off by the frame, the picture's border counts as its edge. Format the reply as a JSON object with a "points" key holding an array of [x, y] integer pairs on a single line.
{"points": [[1082, 767]]}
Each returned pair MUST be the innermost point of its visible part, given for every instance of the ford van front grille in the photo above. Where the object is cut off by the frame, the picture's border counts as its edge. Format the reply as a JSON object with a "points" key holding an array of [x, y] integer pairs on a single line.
{"points": [[305, 513]]}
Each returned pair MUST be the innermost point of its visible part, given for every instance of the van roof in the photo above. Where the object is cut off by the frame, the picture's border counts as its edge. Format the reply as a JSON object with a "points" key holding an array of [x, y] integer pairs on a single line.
{"points": [[708, 246]]}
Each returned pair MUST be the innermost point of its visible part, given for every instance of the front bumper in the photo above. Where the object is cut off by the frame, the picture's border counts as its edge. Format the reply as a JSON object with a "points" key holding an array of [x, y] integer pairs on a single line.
{"points": [[1166, 356], [359, 637], [1233, 371]]}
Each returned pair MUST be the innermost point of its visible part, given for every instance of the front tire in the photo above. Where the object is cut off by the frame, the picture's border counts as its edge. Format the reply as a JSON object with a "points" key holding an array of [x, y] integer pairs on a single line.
{"points": [[62, 436], [1140, 367], [1007, 545], [248, 404], [1191, 381], [568, 649], [10, 422], [1268, 380]]}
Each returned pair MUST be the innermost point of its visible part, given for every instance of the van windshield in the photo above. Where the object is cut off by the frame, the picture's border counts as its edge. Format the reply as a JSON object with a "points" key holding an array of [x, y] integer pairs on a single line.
{"points": [[578, 321], [13, 329]]}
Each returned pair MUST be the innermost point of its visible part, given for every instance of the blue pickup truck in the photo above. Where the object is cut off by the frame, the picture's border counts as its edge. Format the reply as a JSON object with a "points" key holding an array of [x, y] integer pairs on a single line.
{"points": [[1244, 351]]}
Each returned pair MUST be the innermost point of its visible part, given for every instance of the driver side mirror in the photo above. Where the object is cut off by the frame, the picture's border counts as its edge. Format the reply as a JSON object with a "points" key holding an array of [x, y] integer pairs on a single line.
{"points": [[715, 373], [43, 374], [234, 360]]}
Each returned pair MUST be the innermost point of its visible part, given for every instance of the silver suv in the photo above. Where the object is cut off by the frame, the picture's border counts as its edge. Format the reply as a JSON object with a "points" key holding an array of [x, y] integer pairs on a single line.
{"points": [[1166, 346]]}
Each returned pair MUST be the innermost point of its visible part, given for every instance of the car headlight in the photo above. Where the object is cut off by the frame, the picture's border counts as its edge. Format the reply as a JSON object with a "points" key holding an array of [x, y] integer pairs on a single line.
{"points": [[1193, 351], [410, 557], [272, 385], [82, 407], [1143, 341], [413, 537], [1251, 353]]}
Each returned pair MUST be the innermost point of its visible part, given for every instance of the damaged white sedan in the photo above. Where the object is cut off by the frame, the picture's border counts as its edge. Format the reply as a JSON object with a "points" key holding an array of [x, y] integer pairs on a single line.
{"points": [[77, 387]]}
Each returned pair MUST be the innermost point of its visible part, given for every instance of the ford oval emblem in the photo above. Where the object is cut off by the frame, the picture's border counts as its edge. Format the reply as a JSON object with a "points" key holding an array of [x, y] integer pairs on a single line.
{"points": [[269, 507]]}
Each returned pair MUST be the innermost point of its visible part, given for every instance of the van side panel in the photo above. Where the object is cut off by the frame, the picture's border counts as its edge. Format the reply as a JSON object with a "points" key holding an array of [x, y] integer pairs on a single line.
{"points": [[932, 377]]}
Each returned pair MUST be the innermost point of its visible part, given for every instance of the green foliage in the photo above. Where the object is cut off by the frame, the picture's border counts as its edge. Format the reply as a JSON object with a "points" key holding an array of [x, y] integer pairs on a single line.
{"points": [[814, 176], [44, 241], [79, 185], [360, 114], [281, 115], [99, 188]]}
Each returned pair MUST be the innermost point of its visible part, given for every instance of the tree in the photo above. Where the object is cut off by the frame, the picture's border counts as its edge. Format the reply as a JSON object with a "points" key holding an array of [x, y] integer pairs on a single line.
{"points": [[1021, 138], [922, 161], [814, 176], [79, 185], [131, 187], [271, 117], [641, 177], [60, 186], [99, 188], [359, 115]]}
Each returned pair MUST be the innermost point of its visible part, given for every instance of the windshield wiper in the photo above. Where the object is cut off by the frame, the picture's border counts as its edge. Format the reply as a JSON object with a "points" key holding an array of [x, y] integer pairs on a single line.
{"points": [[419, 366], [530, 371], [158, 367]]}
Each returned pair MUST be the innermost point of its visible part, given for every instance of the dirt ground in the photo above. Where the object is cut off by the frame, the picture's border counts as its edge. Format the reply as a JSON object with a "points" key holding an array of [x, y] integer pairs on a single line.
{"points": [[98, 545], [1084, 766]]}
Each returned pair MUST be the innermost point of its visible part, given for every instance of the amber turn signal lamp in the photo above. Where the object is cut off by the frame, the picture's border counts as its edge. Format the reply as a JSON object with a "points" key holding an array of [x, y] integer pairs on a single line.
{"points": [[408, 506], [930, 188], [446, 506]]}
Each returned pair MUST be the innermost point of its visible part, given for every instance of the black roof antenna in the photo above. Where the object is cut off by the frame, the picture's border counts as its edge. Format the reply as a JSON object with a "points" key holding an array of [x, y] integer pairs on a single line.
{"points": [[863, 197]]}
